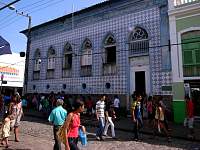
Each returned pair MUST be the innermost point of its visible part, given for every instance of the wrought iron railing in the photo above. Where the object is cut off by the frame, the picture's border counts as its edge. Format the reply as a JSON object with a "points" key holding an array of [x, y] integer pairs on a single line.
{"points": [[139, 47], [191, 70]]}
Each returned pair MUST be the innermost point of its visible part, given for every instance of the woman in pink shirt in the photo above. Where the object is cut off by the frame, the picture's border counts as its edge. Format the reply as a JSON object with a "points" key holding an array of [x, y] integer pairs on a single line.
{"points": [[72, 125]]}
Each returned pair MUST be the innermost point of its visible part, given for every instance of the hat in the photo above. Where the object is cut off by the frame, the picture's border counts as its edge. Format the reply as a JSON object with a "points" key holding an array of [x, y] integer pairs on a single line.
{"points": [[59, 102]]}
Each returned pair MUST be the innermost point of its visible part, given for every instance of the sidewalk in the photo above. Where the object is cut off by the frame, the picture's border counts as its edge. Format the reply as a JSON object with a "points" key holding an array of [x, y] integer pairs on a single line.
{"points": [[125, 124]]}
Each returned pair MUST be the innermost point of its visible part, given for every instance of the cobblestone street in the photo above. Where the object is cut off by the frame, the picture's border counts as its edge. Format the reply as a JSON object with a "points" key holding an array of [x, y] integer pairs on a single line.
{"points": [[37, 135]]}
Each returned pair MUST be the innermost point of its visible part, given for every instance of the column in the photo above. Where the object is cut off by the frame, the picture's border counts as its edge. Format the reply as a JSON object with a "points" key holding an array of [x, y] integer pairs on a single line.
{"points": [[177, 74]]}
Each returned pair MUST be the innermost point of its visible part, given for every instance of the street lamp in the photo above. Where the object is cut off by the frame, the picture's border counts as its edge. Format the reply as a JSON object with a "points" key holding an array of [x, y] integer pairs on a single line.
{"points": [[10, 6]]}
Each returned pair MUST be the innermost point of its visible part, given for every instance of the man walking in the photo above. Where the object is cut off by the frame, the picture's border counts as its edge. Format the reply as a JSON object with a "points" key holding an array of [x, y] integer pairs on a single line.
{"points": [[57, 117], [137, 116], [100, 106]]}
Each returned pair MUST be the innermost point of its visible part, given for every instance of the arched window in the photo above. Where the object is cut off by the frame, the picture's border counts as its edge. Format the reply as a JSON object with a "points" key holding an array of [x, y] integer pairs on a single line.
{"points": [[109, 55], [138, 42], [191, 53], [86, 55], [110, 49], [51, 58], [37, 60], [37, 64], [67, 56], [86, 58]]}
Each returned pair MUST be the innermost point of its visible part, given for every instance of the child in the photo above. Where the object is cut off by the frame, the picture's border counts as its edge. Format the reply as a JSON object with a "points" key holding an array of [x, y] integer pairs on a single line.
{"points": [[5, 130]]}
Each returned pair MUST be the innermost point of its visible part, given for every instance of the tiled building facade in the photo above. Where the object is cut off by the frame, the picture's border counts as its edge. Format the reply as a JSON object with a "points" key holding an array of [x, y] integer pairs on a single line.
{"points": [[104, 49]]}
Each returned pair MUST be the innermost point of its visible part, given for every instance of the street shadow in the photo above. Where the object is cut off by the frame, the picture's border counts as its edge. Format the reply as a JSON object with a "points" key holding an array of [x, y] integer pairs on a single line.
{"points": [[148, 139]]}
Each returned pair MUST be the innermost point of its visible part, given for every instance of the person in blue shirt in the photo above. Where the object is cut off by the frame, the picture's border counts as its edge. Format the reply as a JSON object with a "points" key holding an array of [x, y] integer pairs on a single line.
{"points": [[57, 118], [137, 116]]}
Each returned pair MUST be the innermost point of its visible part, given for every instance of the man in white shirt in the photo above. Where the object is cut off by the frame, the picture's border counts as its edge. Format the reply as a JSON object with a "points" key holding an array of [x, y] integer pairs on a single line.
{"points": [[100, 107], [116, 106]]}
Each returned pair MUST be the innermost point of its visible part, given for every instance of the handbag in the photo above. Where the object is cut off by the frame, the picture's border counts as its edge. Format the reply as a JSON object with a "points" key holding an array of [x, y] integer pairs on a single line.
{"points": [[61, 134], [82, 136]]}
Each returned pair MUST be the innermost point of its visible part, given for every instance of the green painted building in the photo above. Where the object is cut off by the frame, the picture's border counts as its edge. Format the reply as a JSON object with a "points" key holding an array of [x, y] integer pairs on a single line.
{"points": [[184, 23]]}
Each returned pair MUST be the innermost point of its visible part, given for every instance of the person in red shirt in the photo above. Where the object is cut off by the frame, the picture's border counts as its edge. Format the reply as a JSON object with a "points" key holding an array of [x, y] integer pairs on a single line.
{"points": [[189, 120]]}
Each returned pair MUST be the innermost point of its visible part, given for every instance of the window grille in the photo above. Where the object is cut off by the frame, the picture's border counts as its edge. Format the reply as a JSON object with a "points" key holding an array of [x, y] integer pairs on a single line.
{"points": [[139, 43]]}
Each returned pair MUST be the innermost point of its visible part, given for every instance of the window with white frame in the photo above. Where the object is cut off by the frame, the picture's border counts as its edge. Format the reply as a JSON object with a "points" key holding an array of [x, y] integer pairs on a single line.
{"points": [[138, 42], [67, 57], [86, 55], [37, 61], [51, 58]]}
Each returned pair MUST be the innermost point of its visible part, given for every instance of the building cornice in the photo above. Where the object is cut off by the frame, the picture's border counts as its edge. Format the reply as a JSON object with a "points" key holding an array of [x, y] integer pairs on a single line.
{"points": [[180, 11]]}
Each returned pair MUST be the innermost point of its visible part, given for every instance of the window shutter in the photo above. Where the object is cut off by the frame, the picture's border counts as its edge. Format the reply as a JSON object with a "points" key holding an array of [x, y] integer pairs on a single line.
{"points": [[187, 57], [197, 56]]}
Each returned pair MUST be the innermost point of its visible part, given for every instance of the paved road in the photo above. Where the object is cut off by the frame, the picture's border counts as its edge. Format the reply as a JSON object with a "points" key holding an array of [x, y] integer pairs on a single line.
{"points": [[37, 135]]}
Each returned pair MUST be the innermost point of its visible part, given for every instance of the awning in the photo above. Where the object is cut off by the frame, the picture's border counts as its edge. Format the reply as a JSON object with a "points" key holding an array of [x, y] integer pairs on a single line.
{"points": [[4, 46]]}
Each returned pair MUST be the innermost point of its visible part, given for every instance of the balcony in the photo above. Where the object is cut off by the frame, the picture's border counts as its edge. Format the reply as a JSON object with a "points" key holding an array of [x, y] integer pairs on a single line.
{"points": [[191, 70], [86, 71], [183, 2], [109, 69]]}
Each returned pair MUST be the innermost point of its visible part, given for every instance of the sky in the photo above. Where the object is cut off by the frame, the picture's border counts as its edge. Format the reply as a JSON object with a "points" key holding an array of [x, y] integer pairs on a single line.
{"points": [[40, 10]]}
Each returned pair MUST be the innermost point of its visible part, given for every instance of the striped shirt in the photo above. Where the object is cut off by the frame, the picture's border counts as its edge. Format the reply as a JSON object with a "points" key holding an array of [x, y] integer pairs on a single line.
{"points": [[100, 106]]}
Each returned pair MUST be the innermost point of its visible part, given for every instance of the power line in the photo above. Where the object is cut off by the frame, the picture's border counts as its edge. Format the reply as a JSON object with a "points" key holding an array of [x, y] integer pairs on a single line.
{"points": [[26, 6], [38, 9], [96, 53]]}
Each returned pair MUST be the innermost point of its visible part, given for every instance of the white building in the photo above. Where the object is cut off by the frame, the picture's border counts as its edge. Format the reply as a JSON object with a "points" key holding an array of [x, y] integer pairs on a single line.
{"points": [[12, 71]]}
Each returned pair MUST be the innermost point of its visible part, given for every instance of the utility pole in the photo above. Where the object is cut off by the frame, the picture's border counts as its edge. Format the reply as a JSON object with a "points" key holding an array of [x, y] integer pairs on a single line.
{"points": [[27, 50], [9, 5]]}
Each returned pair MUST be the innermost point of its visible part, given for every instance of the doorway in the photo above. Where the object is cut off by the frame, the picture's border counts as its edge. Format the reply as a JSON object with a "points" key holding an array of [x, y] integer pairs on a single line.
{"points": [[140, 82]]}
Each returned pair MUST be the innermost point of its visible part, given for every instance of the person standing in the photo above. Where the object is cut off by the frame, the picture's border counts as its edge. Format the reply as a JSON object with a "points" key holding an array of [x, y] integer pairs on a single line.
{"points": [[137, 116], [15, 109], [100, 107], [57, 117], [5, 129], [117, 106], [189, 120]]}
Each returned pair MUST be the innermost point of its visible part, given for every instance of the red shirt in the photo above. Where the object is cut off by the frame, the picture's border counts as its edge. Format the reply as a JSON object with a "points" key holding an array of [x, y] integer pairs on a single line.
{"points": [[73, 131], [190, 109]]}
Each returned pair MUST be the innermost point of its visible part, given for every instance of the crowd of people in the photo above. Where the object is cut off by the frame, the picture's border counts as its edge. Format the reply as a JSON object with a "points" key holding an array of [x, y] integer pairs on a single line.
{"points": [[63, 111]]}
